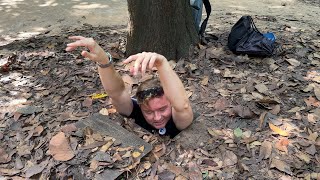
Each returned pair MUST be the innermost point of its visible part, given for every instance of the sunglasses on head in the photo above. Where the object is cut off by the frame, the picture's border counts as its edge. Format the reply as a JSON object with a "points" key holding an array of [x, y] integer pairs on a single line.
{"points": [[152, 92]]}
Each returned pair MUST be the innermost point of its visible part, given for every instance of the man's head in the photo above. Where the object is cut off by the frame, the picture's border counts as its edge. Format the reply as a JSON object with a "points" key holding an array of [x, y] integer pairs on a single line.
{"points": [[154, 105]]}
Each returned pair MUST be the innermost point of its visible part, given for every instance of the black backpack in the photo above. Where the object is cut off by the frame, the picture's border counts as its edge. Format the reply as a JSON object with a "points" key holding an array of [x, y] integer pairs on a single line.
{"points": [[245, 38]]}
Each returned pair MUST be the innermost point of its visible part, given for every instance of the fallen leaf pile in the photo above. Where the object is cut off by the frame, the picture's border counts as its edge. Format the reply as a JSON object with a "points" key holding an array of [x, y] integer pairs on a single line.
{"points": [[259, 116]]}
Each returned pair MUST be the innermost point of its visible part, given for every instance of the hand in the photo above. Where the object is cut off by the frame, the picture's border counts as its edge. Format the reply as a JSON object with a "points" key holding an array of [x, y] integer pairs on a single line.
{"points": [[96, 53], [145, 60]]}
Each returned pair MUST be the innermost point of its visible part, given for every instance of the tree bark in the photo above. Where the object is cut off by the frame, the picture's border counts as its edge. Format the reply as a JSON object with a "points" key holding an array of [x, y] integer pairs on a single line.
{"points": [[163, 26]]}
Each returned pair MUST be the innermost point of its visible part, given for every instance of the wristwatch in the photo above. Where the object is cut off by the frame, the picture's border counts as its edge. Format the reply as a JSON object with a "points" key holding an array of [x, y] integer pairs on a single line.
{"points": [[108, 64]]}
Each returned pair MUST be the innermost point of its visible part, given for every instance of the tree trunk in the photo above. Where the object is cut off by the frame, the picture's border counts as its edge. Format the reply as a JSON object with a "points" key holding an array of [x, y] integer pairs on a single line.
{"points": [[163, 26]]}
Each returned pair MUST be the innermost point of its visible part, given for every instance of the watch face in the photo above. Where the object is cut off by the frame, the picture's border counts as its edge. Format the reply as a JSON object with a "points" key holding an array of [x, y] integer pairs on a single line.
{"points": [[162, 131]]}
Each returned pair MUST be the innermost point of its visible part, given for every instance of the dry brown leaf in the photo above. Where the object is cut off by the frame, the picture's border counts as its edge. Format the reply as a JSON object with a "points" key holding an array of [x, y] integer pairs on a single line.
{"points": [[304, 157], [282, 144], [313, 136], [116, 157], [16, 116], [243, 112], [4, 157], [280, 165], [37, 131], [278, 130], [126, 155], [175, 169], [265, 149], [317, 92], [180, 177], [221, 104], [229, 158], [59, 147], [293, 62], [146, 165], [104, 111], [262, 119], [68, 128], [257, 95], [309, 88], [87, 102], [194, 171], [275, 110], [141, 148], [192, 66], [112, 110], [94, 164], [105, 147], [296, 109], [9, 172], [312, 118], [36, 169], [189, 93], [136, 154], [311, 150], [124, 148], [311, 101], [215, 132], [205, 81], [261, 88]]}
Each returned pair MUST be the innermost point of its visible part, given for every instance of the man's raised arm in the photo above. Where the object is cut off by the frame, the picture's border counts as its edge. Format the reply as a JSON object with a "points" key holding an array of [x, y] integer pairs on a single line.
{"points": [[111, 80]]}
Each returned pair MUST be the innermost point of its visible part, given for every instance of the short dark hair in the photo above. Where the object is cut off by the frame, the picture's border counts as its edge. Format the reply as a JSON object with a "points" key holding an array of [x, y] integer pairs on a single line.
{"points": [[149, 89]]}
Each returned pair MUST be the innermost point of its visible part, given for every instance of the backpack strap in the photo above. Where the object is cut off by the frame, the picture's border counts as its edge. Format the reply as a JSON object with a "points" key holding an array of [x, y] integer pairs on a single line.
{"points": [[207, 5]]}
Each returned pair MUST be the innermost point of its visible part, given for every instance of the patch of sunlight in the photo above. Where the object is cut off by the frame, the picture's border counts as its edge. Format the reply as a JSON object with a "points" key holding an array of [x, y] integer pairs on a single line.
{"points": [[16, 102], [10, 2], [90, 6], [239, 12], [22, 35], [19, 79], [276, 7], [15, 14], [6, 39], [49, 3], [8, 77]]}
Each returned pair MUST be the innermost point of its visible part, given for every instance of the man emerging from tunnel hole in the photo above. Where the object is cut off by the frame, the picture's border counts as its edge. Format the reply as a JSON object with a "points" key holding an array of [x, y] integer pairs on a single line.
{"points": [[161, 105]]}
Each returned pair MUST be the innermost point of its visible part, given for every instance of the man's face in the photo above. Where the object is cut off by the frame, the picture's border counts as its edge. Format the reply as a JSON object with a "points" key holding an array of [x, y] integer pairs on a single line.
{"points": [[157, 112]]}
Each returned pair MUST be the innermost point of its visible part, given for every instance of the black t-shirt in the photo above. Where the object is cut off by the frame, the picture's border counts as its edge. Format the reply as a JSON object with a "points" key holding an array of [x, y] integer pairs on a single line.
{"points": [[136, 114]]}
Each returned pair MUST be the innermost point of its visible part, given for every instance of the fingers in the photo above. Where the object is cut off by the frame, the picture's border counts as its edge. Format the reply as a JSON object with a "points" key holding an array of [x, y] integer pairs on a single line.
{"points": [[131, 58], [137, 64], [152, 60], [86, 54], [142, 62], [70, 48], [145, 62], [80, 41]]}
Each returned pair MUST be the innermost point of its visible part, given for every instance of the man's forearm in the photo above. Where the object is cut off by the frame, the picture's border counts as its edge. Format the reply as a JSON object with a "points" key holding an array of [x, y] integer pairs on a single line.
{"points": [[173, 87], [111, 81]]}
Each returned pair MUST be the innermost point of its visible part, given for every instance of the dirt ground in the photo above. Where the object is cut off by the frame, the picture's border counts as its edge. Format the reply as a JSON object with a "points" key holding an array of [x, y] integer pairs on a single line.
{"points": [[257, 118], [23, 19]]}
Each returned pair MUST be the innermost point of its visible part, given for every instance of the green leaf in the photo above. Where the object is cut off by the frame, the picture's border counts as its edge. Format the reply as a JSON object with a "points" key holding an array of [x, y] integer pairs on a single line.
{"points": [[237, 132], [205, 174]]}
